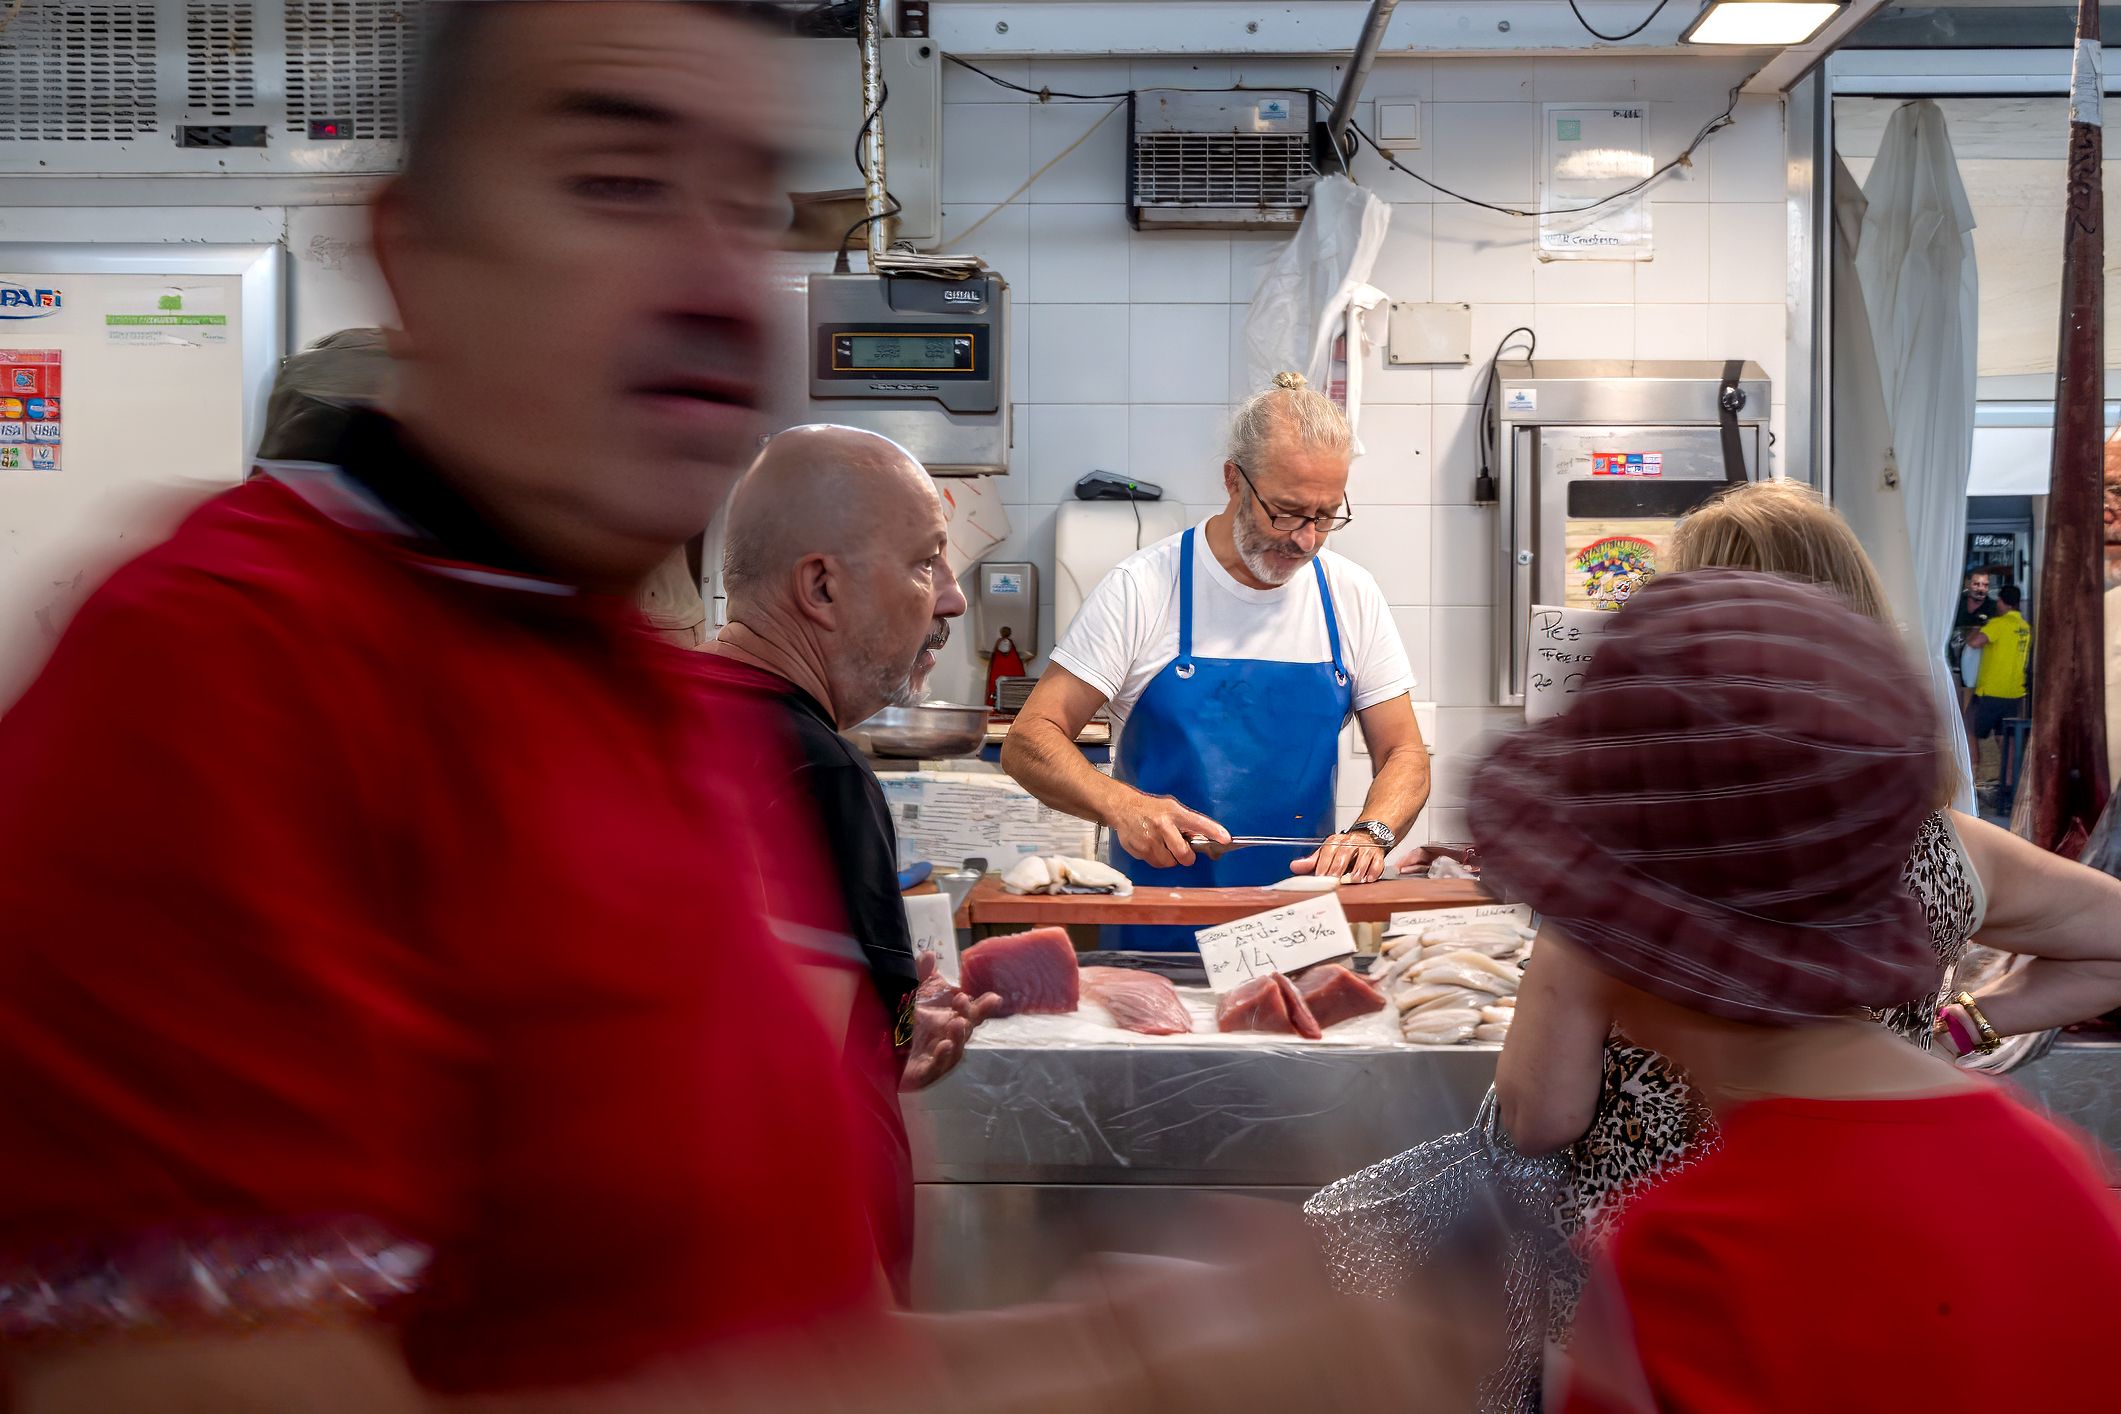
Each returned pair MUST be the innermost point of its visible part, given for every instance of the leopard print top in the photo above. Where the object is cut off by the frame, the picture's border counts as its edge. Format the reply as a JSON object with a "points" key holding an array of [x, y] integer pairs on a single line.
{"points": [[1650, 1123]]}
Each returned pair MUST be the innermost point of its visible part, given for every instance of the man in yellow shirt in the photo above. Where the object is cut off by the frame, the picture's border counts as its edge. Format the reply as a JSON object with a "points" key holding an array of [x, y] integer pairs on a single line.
{"points": [[2006, 644]]}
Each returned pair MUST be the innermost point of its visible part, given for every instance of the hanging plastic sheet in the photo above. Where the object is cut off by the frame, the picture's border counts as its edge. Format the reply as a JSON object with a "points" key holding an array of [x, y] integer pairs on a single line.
{"points": [[1306, 298]]}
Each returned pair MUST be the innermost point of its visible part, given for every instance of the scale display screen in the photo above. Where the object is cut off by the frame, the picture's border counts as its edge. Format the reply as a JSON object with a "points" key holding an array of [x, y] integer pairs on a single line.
{"points": [[947, 351]]}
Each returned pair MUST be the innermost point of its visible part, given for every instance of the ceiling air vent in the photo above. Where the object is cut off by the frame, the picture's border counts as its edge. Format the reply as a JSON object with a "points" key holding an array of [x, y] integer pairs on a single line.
{"points": [[220, 58], [348, 64], [1233, 159], [78, 73]]}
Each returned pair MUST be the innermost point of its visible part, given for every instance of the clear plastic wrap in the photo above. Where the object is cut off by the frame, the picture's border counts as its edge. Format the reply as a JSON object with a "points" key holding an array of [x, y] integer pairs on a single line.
{"points": [[233, 1276]]}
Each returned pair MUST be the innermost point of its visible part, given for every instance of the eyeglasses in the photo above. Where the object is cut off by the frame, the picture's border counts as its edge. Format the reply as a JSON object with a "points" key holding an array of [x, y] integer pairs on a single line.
{"points": [[1287, 521]]}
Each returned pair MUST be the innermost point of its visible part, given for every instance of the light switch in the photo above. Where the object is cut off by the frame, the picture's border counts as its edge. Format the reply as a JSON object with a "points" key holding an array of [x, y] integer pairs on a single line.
{"points": [[1430, 334], [1398, 125]]}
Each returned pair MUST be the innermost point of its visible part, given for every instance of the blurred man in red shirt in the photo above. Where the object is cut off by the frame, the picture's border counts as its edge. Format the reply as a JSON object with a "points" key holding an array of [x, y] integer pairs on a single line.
{"points": [[377, 941]]}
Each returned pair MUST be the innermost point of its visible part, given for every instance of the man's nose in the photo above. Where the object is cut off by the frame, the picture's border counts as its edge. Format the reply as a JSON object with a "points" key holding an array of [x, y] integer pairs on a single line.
{"points": [[950, 597], [1307, 536]]}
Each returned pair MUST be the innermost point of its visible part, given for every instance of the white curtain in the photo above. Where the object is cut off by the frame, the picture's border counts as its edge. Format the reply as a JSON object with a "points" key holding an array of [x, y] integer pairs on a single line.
{"points": [[1915, 261]]}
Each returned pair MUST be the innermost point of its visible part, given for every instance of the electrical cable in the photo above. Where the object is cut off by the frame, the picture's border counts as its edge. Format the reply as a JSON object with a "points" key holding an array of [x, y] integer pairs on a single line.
{"points": [[1041, 94], [1648, 20], [1006, 201], [1484, 484], [883, 96], [1709, 129]]}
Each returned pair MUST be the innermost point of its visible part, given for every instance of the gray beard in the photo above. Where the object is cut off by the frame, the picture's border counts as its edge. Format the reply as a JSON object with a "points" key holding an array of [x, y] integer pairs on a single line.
{"points": [[1253, 546]]}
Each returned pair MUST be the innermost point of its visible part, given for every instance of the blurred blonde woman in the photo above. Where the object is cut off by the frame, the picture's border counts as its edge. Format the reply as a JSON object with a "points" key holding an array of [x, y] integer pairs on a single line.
{"points": [[1567, 1078]]}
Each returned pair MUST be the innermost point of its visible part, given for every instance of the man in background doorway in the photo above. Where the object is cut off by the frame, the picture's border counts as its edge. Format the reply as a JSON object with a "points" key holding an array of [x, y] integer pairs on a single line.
{"points": [[1975, 609], [2006, 645]]}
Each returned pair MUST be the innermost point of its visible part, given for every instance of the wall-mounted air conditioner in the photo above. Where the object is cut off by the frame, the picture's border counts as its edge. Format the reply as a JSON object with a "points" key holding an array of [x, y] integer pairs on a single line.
{"points": [[176, 87], [1220, 160]]}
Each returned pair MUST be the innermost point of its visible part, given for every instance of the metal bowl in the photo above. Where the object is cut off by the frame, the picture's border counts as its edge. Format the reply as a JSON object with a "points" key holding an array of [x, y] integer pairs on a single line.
{"points": [[929, 732]]}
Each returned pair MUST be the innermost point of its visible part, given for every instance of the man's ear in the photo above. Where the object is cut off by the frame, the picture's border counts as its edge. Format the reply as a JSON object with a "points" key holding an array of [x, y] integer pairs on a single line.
{"points": [[817, 581], [1229, 478]]}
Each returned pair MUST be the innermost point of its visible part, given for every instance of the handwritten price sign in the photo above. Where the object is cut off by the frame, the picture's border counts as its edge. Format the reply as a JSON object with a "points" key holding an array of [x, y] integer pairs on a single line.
{"points": [[1562, 641], [1280, 940]]}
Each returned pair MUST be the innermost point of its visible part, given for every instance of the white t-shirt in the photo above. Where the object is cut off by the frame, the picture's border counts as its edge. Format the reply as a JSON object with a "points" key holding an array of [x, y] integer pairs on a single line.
{"points": [[1127, 630]]}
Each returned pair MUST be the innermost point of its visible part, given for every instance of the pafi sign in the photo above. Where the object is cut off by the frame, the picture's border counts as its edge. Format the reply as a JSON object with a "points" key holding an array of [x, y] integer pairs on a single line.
{"points": [[21, 302]]}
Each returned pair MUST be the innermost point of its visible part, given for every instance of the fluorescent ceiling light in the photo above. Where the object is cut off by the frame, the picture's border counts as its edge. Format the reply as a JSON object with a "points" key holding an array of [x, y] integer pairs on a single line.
{"points": [[1760, 24]]}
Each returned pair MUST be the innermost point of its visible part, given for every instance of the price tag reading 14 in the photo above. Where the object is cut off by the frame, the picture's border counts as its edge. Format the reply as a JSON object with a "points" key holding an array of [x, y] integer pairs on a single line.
{"points": [[1280, 940]]}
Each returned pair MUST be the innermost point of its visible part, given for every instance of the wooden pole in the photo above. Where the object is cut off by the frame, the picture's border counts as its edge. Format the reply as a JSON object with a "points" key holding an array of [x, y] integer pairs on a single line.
{"points": [[2067, 786]]}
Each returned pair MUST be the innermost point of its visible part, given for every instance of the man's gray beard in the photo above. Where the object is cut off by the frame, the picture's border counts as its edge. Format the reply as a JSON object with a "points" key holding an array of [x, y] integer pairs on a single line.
{"points": [[1253, 546], [907, 692]]}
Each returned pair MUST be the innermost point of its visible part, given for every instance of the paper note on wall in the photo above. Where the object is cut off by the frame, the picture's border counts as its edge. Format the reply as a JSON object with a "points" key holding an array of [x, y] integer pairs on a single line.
{"points": [[1560, 643], [934, 931], [1279, 940], [978, 521]]}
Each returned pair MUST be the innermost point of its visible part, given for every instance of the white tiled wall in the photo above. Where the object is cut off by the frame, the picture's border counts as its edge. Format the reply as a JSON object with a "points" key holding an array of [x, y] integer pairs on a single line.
{"points": [[1127, 338]]}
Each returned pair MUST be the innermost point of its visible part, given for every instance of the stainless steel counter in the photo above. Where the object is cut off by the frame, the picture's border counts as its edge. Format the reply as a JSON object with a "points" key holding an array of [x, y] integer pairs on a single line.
{"points": [[1025, 1159]]}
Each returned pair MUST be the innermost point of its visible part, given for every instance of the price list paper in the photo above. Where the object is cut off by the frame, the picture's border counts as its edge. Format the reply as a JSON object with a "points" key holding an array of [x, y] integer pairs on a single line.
{"points": [[1280, 940], [1561, 643]]}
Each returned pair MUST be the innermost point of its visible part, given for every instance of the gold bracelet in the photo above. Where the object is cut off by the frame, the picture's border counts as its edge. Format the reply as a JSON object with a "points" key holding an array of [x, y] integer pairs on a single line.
{"points": [[1990, 1041]]}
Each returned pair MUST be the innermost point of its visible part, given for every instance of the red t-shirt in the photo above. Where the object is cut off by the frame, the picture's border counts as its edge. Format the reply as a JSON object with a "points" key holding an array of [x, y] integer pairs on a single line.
{"points": [[1954, 1252], [340, 883]]}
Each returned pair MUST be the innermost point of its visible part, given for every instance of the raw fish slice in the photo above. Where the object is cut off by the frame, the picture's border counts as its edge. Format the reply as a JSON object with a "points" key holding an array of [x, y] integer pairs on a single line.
{"points": [[1299, 1012], [1498, 1015], [1492, 1031], [1266, 1004], [1029, 875], [1138, 1001], [1334, 994], [1452, 999], [1441, 1028], [1422, 994], [1030, 972]]}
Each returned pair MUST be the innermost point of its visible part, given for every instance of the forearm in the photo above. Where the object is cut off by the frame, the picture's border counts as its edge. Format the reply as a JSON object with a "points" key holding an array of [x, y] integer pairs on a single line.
{"points": [[1400, 788], [2051, 992], [1042, 759]]}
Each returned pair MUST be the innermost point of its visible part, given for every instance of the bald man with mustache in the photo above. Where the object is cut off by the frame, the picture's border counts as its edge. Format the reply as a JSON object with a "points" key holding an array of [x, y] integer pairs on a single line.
{"points": [[840, 592]]}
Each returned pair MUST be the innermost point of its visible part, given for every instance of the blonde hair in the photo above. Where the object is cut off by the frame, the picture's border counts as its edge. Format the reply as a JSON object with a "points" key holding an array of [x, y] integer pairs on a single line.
{"points": [[1785, 528], [1292, 409], [1782, 527]]}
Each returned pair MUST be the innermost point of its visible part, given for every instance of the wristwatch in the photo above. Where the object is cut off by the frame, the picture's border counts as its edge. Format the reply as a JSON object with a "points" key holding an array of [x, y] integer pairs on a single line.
{"points": [[1377, 830]]}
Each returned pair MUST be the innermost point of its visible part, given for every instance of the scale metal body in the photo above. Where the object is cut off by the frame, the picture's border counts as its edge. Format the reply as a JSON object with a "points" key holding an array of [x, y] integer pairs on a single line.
{"points": [[923, 361]]}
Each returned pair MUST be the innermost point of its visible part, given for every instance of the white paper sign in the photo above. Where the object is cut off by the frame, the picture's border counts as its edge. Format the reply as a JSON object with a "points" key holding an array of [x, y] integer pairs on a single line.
{"points": [[934, 931], [1561, 642], [1279, 940], [1422, 920], [1593, 151]]}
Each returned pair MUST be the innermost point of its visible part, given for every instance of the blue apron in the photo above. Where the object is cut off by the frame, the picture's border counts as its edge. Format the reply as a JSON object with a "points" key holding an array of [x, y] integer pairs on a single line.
{"points": [[1251, 743]]}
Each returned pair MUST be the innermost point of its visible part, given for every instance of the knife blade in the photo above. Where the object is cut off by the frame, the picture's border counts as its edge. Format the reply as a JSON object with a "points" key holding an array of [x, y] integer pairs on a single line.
{"points": [[1214, 848]]}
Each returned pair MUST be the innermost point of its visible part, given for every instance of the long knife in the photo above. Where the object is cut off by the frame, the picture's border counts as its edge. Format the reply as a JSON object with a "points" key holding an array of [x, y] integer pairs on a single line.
{"points": [[1216, 848]]}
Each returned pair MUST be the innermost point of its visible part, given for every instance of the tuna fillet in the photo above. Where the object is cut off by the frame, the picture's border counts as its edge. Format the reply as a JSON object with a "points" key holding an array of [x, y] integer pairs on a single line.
{"points": [[1267, 1004], [1138, 1001], [1335, 994], [1034, 971]]}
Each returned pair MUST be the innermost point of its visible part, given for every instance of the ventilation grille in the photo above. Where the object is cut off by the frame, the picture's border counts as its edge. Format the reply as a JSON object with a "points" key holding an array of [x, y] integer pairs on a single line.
{"points": [[220, 66], [78, 73], [1243, 170], [348, 62]]}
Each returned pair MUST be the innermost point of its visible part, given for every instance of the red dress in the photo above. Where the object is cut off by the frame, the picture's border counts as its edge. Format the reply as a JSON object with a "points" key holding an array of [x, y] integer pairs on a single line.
{"points": [[358, 904], [1872, 1256]]}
